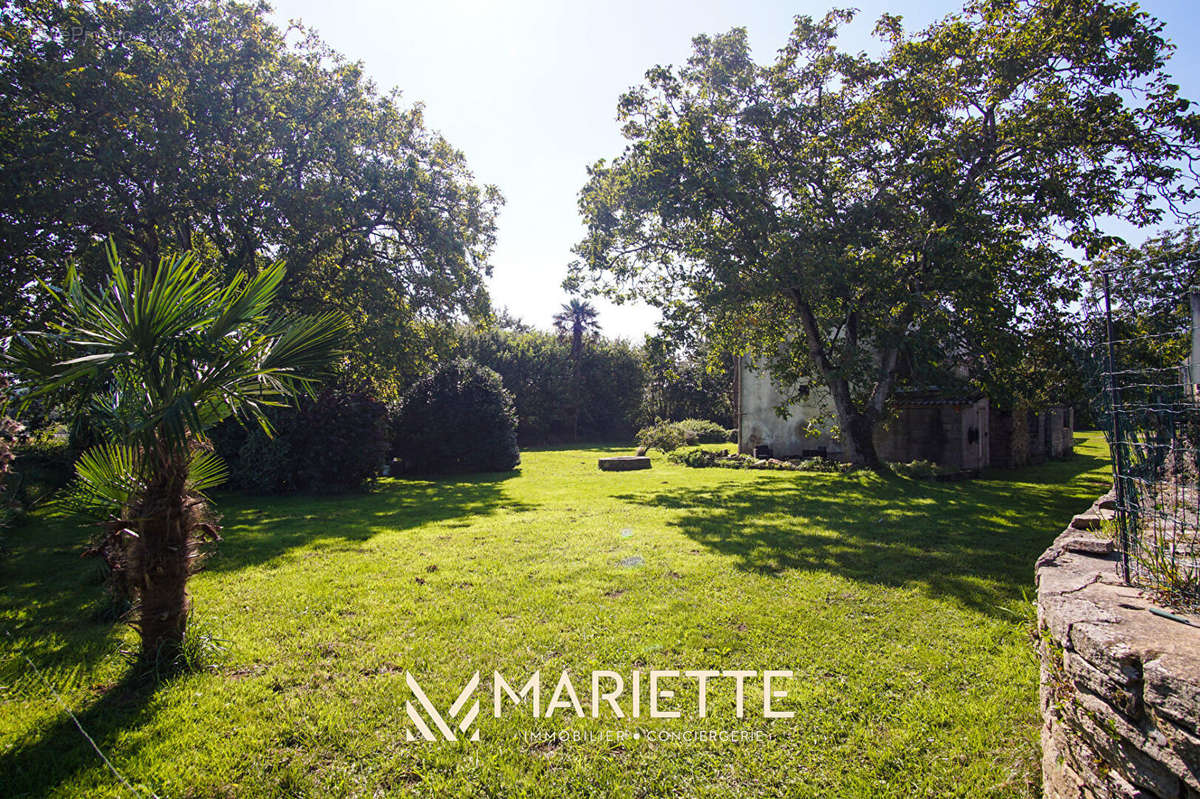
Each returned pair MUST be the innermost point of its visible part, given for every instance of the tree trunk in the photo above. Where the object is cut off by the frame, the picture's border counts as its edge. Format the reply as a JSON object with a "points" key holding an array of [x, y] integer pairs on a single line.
{"points": [[576, 376], [857, 426], [163, 563], [858, 436]]}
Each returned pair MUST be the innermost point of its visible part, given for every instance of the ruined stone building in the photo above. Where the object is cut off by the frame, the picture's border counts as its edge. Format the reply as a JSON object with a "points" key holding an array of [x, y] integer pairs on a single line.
{"points": [[958, 431]]}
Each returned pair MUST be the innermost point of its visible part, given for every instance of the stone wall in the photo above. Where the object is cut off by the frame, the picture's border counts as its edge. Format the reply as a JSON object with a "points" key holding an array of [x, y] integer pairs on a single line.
{"points": [[790, 435], [952, 433], [1023, 436], [1120, 686]]}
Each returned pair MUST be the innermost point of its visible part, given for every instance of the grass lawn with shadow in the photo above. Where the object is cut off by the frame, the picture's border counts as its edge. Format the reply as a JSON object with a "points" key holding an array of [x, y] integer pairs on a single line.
{"points": [[902, 607]]}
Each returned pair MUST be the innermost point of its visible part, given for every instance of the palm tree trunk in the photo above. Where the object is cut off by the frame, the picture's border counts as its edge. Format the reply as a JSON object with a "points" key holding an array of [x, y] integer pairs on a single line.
{"points": [[163, 563], [576, 392]]}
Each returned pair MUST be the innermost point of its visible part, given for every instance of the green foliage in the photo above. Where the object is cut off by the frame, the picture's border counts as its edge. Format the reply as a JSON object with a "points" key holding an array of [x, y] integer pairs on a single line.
{"points": [[695, 458], [538, 371], [165, 352], [611, 385], [821, 465], [617, 387], [663, 436], [1151, 285], [844, 217], [666, 436], [686, 380], [459, 419], [169, 352], [336, 442], [203, 126], [703, 458], [703, 431], [111, 478]]}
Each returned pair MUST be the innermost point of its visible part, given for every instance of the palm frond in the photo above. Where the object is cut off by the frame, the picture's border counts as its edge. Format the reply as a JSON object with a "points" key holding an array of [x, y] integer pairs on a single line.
{"points": [[206, 471], [246, 300], [304, 345], [109, 477], [174, 349]]}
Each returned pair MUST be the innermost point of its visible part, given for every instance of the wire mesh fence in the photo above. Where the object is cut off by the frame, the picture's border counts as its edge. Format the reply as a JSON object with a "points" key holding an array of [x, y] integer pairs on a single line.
{"points": [[1150, 408]]}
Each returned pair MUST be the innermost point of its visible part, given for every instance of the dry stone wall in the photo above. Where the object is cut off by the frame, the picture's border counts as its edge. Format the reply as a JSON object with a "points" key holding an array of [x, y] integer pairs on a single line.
{"points": [[1120, 686]]}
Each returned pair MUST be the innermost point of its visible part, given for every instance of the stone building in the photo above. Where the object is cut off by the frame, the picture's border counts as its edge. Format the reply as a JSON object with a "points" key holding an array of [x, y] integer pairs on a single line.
{"points": [[1024, 436], [958, 431], [949, 430]]}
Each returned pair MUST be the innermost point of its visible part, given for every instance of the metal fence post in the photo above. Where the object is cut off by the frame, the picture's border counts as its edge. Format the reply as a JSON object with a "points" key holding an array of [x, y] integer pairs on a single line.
{"points": [[1117, 444]]}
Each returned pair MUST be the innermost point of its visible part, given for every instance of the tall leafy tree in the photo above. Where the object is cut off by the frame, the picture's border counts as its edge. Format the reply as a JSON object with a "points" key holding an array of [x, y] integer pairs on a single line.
{"points": [[167, 352], [686, 381], [1151, 286], [834, 213], [173, 126]]}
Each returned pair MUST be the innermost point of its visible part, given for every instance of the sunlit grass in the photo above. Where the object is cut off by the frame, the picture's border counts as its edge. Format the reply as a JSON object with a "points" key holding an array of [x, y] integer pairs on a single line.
{"points": [[900, 606]]}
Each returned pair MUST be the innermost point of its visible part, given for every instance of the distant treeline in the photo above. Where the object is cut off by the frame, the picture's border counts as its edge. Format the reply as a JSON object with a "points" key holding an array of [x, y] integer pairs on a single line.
{"points": [[620, 387]]}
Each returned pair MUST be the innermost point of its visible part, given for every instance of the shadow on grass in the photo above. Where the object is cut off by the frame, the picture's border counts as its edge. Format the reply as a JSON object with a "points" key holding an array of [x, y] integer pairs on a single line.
{"points": [[259, 529], [51, 754], [975, 541], [50, 596]]}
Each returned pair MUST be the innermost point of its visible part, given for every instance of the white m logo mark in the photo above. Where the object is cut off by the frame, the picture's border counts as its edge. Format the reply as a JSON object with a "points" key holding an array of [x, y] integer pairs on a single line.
{"points": [[435, 717]]}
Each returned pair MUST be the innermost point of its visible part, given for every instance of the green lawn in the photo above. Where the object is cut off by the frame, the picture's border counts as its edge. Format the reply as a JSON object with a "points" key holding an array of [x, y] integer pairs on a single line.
{"points": [[900, 606]]}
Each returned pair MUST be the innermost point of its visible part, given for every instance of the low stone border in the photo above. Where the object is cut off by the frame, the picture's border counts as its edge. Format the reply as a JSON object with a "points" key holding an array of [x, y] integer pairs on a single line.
{"points": [[624, 463], [1120, 686]]}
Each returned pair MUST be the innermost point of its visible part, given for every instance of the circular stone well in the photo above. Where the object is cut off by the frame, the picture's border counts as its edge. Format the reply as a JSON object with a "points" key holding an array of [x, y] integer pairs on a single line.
{"points": [[624, 463]]}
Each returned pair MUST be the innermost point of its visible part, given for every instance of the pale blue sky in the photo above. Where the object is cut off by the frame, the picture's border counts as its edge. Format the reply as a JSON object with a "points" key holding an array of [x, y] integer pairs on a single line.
{"points": [[528, 91]]}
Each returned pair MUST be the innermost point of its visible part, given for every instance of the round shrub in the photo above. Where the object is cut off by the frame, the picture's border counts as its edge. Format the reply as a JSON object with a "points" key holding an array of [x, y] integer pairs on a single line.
{"points": [[459, 419], [703, 431], [664, 436]]}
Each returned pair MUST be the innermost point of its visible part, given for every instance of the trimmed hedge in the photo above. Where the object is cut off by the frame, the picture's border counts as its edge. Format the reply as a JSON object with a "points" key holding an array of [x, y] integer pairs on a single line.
{"points": [[335, 443], [459, 419]]}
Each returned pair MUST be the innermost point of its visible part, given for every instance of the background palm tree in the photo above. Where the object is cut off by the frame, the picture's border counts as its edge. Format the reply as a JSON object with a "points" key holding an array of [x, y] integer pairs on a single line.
{"points": [[578, 319], [165, 354]]}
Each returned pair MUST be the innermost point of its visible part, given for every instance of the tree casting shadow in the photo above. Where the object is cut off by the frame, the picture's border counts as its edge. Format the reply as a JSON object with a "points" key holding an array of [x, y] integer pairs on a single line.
{"points": [[975, 542]]}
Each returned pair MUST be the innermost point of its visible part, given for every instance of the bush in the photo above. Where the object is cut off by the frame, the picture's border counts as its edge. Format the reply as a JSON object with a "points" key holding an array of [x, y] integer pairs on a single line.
{"points": [[668, 436], [819, 465], [919, 469], [459, 419], [703, 458], [696, 458], [663, 436], [537, 368], [334, 443], [703, 431]]}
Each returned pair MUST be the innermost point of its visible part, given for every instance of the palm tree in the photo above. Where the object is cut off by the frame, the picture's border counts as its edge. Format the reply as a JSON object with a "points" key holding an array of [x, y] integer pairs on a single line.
{"points": [[166, 354], [578, 318]]}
